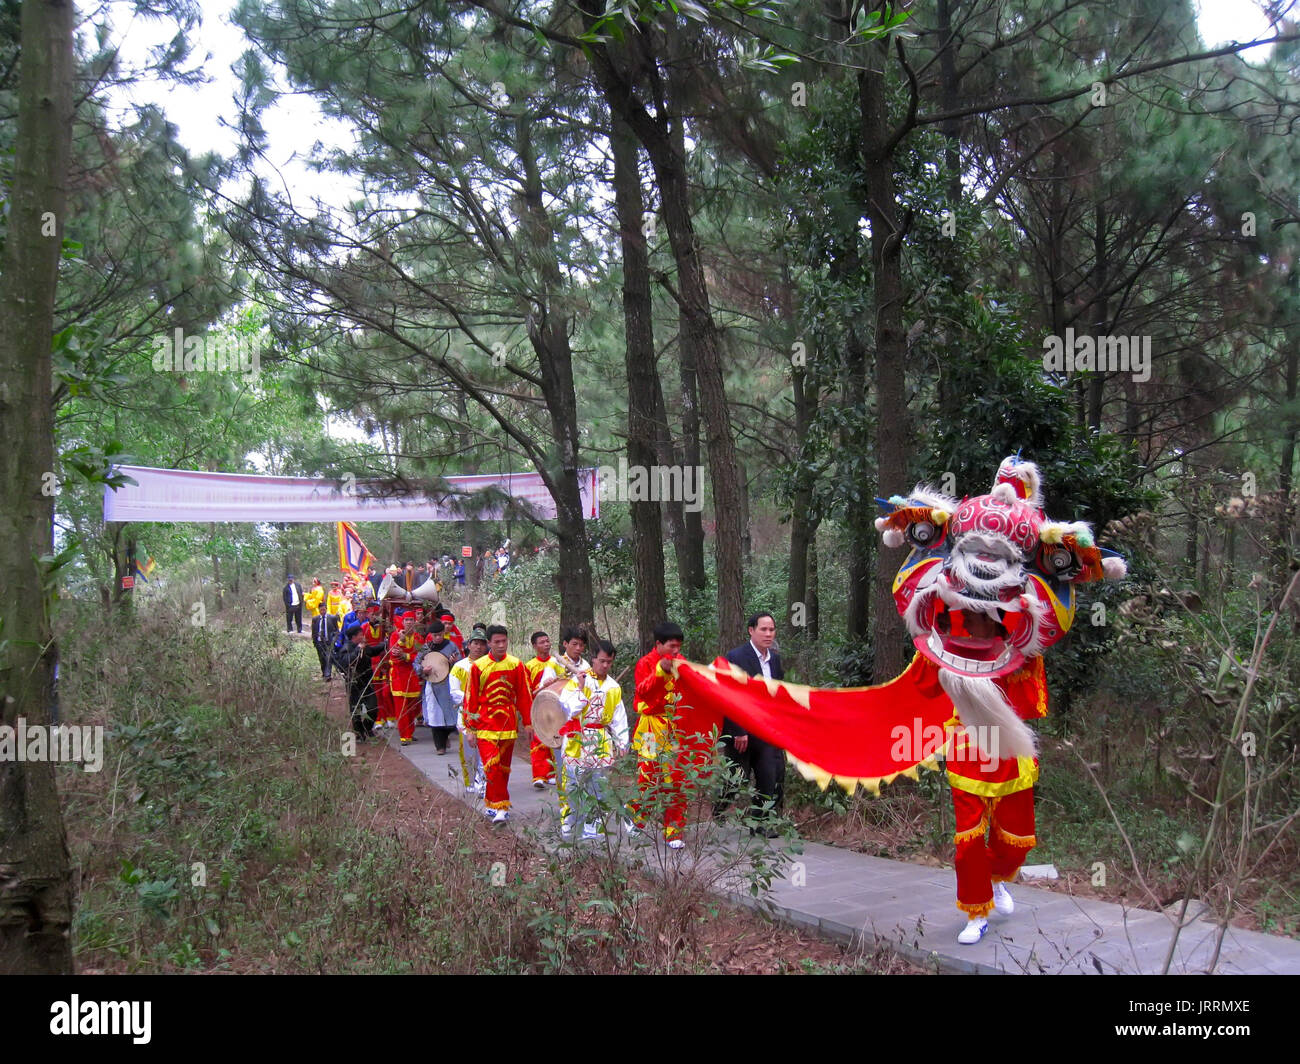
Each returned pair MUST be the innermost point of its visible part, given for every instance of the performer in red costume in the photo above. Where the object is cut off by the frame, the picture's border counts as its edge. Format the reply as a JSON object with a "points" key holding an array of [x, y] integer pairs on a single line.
{"points": [[375, 632], [541, 755], [988, 587], [453, 633], [403, 648], [499, 689], [548, 673], [667, 749]]}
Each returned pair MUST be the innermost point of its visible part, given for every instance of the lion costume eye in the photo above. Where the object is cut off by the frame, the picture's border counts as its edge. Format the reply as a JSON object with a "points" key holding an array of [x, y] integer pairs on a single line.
{"points": [[1059, 561], [922, 534]]}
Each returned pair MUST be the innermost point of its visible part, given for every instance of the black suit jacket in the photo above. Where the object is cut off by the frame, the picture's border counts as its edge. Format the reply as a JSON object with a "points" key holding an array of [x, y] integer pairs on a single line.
{"points": [[292, 583], [747, 658]]}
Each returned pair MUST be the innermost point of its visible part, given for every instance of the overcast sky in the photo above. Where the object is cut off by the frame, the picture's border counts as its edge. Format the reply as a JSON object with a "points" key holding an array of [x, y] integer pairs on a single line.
{"points": [[296, 123]]}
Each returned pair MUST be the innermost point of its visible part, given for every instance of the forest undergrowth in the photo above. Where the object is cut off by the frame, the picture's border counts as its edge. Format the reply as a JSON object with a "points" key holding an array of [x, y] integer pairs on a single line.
{"points": [[228, 831]]}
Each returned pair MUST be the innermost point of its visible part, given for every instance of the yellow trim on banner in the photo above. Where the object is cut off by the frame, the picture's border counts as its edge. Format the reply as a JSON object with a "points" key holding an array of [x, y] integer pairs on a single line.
{"points": [[824, 779]]}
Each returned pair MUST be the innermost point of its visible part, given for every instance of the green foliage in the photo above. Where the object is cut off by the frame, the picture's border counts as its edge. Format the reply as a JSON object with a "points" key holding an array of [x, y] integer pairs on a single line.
{"points": [[228, 833]]}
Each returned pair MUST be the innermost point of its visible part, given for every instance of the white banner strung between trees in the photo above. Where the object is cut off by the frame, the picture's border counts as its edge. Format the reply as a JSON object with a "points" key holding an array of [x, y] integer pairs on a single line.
{"points": [[191, 495]]}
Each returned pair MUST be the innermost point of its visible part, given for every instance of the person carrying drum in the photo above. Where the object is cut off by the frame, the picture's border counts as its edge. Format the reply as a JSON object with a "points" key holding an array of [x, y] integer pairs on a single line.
{"points": [[595, 734], [440, 709]]}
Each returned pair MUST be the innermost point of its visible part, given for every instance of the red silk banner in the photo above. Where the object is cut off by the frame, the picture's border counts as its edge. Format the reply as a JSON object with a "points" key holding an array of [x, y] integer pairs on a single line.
{"points": [[853, 735]]}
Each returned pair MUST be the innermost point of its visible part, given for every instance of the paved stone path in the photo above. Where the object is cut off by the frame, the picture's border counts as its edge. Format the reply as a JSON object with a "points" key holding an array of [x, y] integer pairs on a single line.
{"points": [[856, 898]]}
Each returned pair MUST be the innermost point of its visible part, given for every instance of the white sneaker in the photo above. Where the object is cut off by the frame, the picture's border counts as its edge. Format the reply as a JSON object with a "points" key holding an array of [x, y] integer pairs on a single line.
{"points": [[590, 831], [973, 931], [489, 813], [500, 816], [566, 832], [1002, 901], [538, 784], [675, 844]]}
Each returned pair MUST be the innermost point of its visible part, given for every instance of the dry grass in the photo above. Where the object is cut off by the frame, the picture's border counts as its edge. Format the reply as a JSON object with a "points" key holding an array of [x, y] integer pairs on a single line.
{"points": [[229, 832]]}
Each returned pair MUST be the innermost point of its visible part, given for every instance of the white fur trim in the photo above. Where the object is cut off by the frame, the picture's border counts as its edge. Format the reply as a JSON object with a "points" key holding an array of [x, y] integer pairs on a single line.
{"points": [[987, 716], [1037, 610], [1114, 568], [924, 495], [1030, 474]]}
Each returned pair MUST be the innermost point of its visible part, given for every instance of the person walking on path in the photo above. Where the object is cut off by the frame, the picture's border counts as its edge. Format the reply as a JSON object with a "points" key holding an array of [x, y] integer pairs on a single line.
{"points": [[353, 662], [661, 781], [498, 692], [404, 646], [749, 754], [573, 644], [594, 736], [293, 605], [439, 708], [471, 767]]}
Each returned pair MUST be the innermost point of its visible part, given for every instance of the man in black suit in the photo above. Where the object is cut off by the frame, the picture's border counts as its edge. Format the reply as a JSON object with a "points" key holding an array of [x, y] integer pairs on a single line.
{"points": [[749, 753], [293, 604]]}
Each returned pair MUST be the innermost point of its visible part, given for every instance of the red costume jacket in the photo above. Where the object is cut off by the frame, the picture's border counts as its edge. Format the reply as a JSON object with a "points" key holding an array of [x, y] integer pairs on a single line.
{"points": [[497, 689], [403, 646]]}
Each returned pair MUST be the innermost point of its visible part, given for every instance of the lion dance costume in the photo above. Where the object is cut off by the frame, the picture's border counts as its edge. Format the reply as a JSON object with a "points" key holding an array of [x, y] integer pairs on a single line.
{"points": [[987, 588]]}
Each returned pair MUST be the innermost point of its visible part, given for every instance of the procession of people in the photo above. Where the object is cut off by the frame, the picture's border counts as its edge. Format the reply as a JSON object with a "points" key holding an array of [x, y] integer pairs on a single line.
{"points": [[405, 664], [987, 587]]}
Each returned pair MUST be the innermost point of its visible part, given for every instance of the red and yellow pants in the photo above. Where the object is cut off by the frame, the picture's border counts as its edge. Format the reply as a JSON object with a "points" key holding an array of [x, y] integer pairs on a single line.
{"points": [[660, 786], [496, 754], [543, 760], [993, 836], [408, 706], [384, 699]]}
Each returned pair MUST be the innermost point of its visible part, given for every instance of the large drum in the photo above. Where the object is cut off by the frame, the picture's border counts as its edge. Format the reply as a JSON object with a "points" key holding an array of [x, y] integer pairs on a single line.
{"points": [[548, 718], [434, 666]]}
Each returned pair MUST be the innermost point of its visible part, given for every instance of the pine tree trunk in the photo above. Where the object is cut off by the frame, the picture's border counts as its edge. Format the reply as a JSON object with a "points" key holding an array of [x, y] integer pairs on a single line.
{"points": [[550, 340], [35, 886], [639, 361], [688, 552], [662, 137], [700, 338], [695, 580], [814, 598], [1286, 467], [892, 435]]}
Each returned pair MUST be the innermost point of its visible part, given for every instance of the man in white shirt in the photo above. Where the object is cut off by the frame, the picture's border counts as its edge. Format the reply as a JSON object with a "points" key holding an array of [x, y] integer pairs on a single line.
{"points": [[748, 753], [293, 604]]}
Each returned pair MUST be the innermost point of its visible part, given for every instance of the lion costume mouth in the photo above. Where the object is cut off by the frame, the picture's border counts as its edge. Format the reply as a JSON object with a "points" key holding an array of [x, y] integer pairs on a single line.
{"points": [[950, 644]]}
